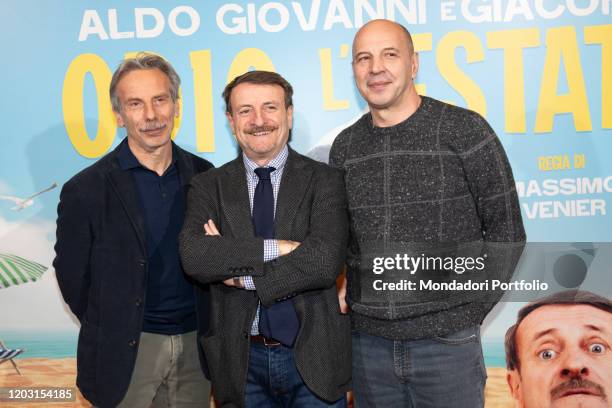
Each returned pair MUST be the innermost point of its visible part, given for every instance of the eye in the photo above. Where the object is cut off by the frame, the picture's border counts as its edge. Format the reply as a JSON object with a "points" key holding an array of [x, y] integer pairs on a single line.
{"points": [[391, 54], [597, 348], [161, 99], [547, 354], [243, 112], [362, 58]]}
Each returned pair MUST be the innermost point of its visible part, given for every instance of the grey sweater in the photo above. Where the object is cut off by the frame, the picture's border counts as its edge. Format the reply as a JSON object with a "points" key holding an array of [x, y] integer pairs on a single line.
{"points": [[439, 179]]}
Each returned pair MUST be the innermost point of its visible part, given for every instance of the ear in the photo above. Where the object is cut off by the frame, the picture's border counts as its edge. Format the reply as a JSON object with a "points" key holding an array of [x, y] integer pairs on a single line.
{"points": [[177, 108], [119, 119], [290, 116], [230, 119], [415, 65], [513, 378]]}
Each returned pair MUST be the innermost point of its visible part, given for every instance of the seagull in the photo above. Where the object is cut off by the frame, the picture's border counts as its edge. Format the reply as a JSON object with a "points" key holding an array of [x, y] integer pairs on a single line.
{"points": [[25, 202]]}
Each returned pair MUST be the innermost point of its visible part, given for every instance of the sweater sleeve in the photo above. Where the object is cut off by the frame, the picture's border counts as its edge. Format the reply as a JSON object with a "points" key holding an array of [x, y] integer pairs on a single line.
{"points": [[491, 183]]}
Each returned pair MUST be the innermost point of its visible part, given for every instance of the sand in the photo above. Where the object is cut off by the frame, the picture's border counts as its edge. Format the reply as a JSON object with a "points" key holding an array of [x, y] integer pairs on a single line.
{"points": [[41, 372]]}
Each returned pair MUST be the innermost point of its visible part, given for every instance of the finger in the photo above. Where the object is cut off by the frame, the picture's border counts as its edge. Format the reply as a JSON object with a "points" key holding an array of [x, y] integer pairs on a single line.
{"points": [[213, 227]]}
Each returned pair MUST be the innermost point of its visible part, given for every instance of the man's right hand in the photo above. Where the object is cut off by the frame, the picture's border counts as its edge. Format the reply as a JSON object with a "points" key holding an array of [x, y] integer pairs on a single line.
{"points": [[285, 246]]}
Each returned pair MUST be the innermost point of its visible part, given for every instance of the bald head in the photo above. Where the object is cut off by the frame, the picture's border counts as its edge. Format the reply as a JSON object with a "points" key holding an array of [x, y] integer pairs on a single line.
{"points": [[374, 29], [384, 67]]}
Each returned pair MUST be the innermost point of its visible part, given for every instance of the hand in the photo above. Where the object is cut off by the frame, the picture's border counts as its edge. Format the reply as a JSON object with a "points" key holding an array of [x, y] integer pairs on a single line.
{"points": [[341, 285], [231, 283], [285, 247], [210, 228]]}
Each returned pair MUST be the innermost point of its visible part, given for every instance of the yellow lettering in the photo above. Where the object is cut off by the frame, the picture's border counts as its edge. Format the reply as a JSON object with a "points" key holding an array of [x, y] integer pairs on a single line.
{"points": [[72, 105], [579, 161], [330, 103], [177, 121], [203, 100], [561, 44], [603, 35], [422, 42], [513, 42], [450, 71]]}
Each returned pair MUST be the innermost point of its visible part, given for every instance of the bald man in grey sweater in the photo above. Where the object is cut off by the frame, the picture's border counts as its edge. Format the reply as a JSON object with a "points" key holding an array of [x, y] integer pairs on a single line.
{"points": [[424, 180]]}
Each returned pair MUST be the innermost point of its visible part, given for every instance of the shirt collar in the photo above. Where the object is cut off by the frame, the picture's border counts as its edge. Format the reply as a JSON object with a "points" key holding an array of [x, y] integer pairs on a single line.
{"points": [[277, 162], [127, 160]]}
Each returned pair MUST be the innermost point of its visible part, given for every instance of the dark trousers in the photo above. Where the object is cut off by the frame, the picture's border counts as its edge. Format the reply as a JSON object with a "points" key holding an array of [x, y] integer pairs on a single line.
{"points": [[274, 381]]}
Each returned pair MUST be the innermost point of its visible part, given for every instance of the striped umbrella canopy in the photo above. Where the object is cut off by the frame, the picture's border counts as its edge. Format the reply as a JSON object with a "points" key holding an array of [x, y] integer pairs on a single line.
{"points": [[15, 270]]}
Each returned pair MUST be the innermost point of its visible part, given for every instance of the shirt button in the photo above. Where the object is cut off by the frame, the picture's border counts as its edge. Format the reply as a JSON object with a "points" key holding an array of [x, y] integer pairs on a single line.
{"points": [[138, 302], [142, 262], [132, 343]]}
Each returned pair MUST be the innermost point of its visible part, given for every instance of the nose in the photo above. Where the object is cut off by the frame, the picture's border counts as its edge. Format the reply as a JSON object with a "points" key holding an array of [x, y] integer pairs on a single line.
{"points": [[257, 118], [574, 366], [149, 112], [377, 65]]}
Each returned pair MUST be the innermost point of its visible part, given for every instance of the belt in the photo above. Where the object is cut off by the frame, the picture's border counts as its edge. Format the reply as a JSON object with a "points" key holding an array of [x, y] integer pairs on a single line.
{"points": [[264, 340]]}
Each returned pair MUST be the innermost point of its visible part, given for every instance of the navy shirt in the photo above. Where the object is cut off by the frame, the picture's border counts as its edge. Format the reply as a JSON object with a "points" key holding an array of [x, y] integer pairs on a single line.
{"points": [[170, 298]]}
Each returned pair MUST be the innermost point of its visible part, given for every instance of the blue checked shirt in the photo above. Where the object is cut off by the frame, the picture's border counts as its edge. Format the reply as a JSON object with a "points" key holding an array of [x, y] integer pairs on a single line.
{"points": [[270, 245]]}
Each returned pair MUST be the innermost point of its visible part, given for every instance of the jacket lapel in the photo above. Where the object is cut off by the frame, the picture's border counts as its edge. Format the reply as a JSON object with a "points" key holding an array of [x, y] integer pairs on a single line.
{"points": [[185, 169], [122, 183], [235, 199], [293, 187]]}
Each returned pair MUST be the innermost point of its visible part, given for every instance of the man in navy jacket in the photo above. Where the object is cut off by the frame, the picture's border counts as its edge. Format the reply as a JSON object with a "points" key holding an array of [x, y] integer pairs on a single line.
{"points": [[117, 260]]}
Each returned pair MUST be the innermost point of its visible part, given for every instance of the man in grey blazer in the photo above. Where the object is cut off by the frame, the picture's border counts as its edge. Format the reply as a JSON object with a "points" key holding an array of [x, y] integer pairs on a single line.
{"points": [[269, 230]]}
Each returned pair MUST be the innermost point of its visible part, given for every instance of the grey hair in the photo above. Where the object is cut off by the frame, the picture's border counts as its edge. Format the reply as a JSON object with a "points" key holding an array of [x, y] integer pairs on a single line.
{"points": [[143, 60]]}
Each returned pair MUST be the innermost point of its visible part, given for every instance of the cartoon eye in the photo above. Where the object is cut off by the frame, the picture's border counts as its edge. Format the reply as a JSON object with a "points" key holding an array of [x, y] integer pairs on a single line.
{"points": [[547, 354], [597, 348]]}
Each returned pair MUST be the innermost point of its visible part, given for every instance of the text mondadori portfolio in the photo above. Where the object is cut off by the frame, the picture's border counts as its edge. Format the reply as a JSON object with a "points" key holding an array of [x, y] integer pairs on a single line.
{"points": [[493, 284]]}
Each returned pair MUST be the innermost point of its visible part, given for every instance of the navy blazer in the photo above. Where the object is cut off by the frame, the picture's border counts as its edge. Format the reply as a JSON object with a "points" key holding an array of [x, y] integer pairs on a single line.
{"points": [[101, 268]]}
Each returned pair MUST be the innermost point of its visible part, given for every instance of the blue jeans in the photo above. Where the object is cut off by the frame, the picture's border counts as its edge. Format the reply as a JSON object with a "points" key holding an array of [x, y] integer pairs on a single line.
{"points": [[274, 381], [427, 373]]}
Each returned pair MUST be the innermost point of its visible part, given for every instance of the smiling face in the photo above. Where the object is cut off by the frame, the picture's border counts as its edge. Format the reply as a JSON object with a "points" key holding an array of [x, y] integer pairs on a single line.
{"points": [[147, 109], [259, 120], [384, 65], [565, 358]]}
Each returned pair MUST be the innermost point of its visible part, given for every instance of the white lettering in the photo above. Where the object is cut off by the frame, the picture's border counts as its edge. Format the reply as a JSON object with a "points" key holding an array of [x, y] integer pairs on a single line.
{"points": [[158, 28], [113, 27], [313, 17], [92, 24], [194, 19]]}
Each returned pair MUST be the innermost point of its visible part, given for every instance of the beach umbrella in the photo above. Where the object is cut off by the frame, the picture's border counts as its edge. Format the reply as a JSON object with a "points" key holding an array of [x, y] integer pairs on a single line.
{"points": [[15, 270]]}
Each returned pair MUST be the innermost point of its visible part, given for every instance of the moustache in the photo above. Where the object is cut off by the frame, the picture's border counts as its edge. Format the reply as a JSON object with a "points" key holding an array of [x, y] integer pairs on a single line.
{"points": [[577, 383], [257, 129], [152, 126]]}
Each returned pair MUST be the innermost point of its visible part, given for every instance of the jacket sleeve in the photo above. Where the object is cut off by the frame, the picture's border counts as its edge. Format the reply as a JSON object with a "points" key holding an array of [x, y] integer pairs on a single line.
{"points": [[214, 258], [72, 249], [317, 262]]}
